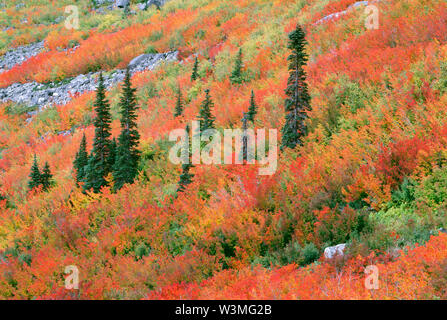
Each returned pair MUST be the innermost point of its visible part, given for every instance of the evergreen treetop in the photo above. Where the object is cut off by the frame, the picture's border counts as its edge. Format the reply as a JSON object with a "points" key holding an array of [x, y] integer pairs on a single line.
{"points": [[297, 102], [127, 154], [252, 110], [99, 164], [195, 68], [206, 117]]}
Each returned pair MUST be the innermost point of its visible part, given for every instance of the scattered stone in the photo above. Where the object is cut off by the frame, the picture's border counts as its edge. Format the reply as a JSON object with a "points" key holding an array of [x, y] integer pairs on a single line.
{"points": [[142, 6], [341, 13], [101, 2], [337, 250], [44, 95]]}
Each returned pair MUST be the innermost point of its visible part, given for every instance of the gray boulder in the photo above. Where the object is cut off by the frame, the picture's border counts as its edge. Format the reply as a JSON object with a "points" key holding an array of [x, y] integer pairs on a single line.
{"points": [[338, 250], [142, 6]]}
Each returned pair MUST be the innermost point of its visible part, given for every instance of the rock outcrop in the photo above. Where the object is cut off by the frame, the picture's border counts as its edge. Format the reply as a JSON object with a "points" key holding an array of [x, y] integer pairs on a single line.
{"points": [[342, 13], [338, 250], [19, 55], [147, 4], [43, 95]]}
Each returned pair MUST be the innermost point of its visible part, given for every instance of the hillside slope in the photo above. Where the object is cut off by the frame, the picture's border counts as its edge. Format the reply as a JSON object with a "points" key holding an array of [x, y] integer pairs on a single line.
{"points": [[371, 172]]}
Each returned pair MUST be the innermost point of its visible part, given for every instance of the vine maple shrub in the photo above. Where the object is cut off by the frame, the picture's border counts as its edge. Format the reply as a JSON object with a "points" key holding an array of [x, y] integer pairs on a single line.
{"points": [[367, 169]]}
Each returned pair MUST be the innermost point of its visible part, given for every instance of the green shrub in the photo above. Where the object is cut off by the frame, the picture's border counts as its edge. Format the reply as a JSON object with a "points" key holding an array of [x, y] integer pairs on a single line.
{"points": [[25, 258], [150, 49], [433, 190], [309, 254], [141, 251]]}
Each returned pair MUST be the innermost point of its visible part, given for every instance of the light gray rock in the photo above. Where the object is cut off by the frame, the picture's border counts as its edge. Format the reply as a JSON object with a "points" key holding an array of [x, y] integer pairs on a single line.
{"points": [[122, 3], [147, 4], [101, 2], [338, 250], [20, 54], [37, 94]]}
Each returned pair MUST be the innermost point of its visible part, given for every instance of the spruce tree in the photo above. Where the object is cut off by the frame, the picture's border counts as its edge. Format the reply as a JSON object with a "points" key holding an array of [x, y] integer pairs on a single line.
{"points": [[127, 153], [46, 177], [236, 75], [206, 118], [98, 166], [252, 110], [81, 160], [179, 104], [195, 68], [244, 138], [35, 176], [298, 100], [186, 176], [113, 152]]}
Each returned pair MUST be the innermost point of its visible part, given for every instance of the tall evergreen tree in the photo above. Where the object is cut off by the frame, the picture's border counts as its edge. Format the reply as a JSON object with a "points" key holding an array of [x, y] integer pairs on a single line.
{"points": [[186, 176], [46, 177], [81, 160], [127, 153], [195, 68], [206, 118], [298, 100], [179, 104], [98, 166], [244, 138], [35, 176], [236, 75], [252, 110]]}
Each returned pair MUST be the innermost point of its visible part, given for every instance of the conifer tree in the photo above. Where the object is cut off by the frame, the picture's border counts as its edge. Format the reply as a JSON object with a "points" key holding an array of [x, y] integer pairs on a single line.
{"points": [[244, 138], [252, 110], [236, 75], [179, 104], [298, 100], [98, 166], [35, 176], [206, 118], [81, 160], [46, 177], [186, 176], [195, 68], [113, 152], [127, 153]]}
